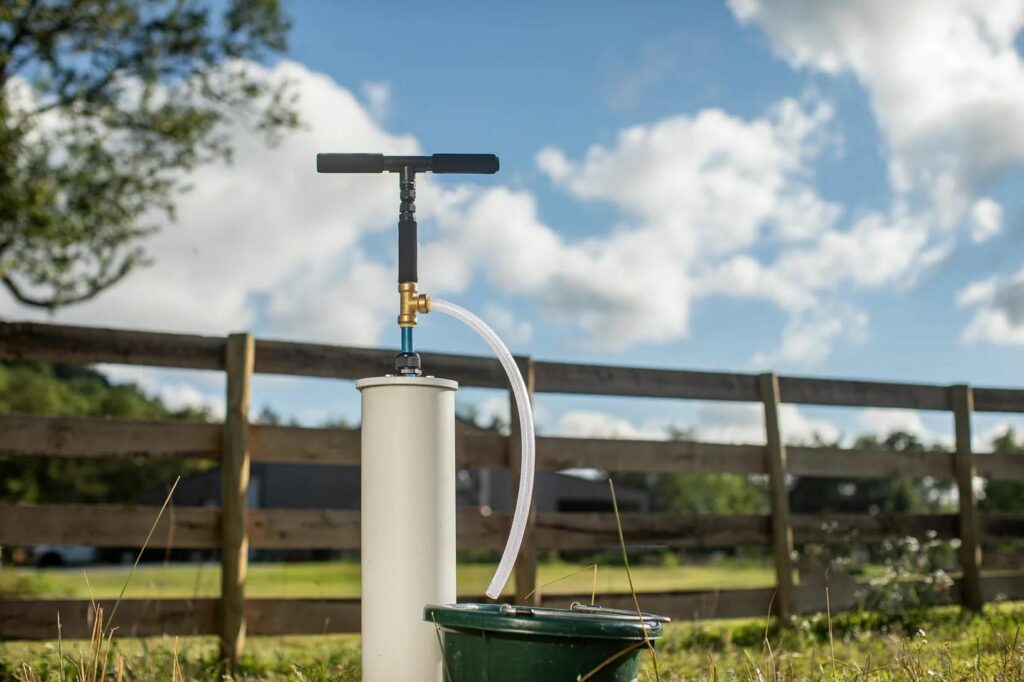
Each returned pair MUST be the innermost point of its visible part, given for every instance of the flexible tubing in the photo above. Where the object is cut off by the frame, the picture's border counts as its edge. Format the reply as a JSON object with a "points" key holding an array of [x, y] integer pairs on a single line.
{"points": [[522, 397]]}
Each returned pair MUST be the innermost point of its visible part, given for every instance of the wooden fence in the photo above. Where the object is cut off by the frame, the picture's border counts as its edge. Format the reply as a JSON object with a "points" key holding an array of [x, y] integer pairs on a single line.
{"points": [[236, 443]]}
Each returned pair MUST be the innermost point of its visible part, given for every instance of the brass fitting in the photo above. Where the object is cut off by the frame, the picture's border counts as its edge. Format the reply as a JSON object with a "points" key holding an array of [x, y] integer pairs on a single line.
{"points": [[411, 303]]}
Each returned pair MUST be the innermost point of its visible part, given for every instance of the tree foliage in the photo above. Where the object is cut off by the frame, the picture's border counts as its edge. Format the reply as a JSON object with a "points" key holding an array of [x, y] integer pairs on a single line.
{"points": [[702, 493], [65, 390], [104, 105], [1004, 496], [814, 495]]}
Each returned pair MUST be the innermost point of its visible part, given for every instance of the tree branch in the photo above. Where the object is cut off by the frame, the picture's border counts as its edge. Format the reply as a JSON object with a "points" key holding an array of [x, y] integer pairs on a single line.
{"points": [[94, 287]]}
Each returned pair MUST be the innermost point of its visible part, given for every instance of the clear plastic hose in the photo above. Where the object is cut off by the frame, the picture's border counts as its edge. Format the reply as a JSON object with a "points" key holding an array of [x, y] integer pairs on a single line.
{"points": [[522, 396]]}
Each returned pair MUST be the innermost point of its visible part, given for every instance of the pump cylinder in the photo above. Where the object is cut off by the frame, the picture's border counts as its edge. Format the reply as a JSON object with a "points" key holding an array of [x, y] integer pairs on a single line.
{"points": [[408, 522]]}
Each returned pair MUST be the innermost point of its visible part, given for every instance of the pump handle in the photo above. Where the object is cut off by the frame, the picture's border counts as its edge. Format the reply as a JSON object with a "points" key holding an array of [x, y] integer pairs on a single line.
{"points": [[378, 163], [485, 164], [349, 163]]}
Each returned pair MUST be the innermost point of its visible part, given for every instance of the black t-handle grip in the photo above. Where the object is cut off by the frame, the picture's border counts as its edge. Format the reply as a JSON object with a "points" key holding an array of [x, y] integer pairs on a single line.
{"points": [[378, 163], [349, 163], [464, 163]]}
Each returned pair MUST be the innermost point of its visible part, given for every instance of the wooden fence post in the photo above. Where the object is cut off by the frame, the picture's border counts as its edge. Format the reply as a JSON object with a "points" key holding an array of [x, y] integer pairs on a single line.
{"points": [[782, 529], [526, 564], [234, 474], [966, 469]]}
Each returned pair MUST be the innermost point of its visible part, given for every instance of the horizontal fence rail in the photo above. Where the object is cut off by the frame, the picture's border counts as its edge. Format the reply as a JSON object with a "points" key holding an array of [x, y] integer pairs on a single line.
{"points": [[198, 528], [87, 345], [234, 444], [110, 438]]}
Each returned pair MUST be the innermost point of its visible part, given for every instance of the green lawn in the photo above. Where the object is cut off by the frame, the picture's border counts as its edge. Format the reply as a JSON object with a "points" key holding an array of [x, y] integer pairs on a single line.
{"points": [[341, 579], [941, 644]]}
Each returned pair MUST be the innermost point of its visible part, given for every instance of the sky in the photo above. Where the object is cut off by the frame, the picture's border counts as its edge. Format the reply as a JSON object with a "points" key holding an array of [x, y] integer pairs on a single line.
{"points": [[812, 187]]}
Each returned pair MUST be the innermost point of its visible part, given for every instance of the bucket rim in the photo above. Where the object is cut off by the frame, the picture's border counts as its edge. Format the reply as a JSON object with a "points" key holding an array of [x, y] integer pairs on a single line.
{"points": [[578, 621]]}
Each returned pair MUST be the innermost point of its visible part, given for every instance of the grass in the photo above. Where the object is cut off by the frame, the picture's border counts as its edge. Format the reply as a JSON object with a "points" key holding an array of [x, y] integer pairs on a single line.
{"points": [[941, 644], [341, 579], [945, 646]]}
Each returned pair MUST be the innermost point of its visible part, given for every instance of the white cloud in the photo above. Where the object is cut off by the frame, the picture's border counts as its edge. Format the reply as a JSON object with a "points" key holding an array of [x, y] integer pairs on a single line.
{"points": [[809, 336], [691, 190], [986, 220], [493, 409], [882, 422], [876, 251], [998, 304], [597, 424], [984, 441], [266, 243], [511, 329], [945, 81], [709, 183], [744, 423], [177, 389], [378, 98], [619, 289]]}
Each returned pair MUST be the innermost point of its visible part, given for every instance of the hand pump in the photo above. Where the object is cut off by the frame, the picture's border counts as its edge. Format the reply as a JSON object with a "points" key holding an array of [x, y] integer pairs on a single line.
{"points": [[408, 457]]}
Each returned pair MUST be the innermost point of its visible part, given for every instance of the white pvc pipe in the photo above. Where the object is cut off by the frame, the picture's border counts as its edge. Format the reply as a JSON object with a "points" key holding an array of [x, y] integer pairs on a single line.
{"points": [[408, 522], [523, 407]]}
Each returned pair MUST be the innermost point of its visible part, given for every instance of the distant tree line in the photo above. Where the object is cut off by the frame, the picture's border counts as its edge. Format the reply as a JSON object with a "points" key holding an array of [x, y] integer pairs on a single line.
{"points": [[68, 390]]}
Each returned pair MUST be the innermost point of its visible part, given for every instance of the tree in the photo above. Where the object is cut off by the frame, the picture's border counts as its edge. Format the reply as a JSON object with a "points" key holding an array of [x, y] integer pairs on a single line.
{"points": [[816, 495], [104, 105], [701, 493], [67, 390], [1004, 496]]}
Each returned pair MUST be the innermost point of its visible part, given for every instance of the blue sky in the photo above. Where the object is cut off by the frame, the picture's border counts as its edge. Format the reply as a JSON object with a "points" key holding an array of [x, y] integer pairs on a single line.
{"points": [[820, 188]]}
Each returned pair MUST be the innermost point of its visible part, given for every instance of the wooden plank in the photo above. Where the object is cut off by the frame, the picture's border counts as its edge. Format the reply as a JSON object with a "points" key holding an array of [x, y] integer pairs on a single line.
{"points": [[1001, 525], [199, 528], [649, 456], [782, 530], [814, 391], [480, 449], [304, 529], [299, 445], [998, 400], [339, 529], [37, 619], [101, 437], [340, 362], [526, 563], [234, 476], [108, 525], [302, 616], [336, 446], [966, 471], [1002, 467], [560, 377], [598, 530], [867, 463], [476, 531], [1002, 561], [1006, 587], [88, 345]]}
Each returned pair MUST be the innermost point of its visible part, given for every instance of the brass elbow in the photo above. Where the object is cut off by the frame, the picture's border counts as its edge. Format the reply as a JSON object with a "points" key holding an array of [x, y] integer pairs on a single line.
{"points": [[411, 303]]}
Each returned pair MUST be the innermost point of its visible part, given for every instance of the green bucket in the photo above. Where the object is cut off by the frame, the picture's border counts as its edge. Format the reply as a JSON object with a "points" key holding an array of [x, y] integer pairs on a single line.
{"points": [[504, 643]]}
